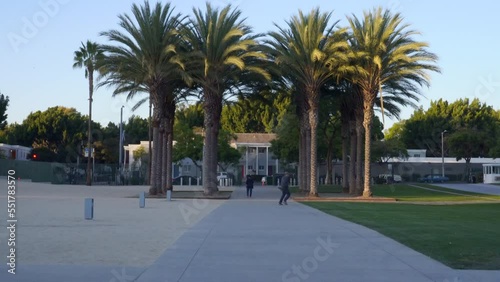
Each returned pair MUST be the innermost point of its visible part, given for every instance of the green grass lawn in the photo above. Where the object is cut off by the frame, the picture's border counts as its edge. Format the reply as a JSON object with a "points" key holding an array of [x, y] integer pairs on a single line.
{"points": [[460, 236], [404, 192], [321, 189]]}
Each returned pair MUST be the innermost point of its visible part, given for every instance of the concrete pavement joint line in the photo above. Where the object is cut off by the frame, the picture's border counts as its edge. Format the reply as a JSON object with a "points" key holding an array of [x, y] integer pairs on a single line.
{"points": [[452, 193], [198, 249]]}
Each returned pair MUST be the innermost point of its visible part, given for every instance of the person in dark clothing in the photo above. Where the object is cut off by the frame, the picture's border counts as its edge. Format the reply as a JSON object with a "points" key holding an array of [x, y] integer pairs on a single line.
{"points": [[249, 183], [285, 192]]}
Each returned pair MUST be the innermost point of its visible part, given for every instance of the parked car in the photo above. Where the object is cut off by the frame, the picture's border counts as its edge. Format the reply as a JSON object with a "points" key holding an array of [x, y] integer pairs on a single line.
{"points": [[389, 178], [222, 175], [434, 179]]}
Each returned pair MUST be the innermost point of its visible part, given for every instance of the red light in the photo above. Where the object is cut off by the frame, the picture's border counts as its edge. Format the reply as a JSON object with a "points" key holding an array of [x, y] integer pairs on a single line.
{"points": [[34, 156]]}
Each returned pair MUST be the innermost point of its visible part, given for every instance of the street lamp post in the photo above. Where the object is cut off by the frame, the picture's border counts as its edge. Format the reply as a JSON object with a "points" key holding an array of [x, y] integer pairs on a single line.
{"points": [[442, 152]]}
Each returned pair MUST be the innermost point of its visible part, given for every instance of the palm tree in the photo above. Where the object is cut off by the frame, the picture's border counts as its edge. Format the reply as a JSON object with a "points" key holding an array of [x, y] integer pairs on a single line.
{"points": [[223, 53], [307, 52], [87, 57], [387, 59], [145, 59]]}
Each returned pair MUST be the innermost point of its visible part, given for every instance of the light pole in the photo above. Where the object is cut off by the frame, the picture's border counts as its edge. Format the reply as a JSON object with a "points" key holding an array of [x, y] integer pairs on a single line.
{"points": [[121, 144], [442, 152]]}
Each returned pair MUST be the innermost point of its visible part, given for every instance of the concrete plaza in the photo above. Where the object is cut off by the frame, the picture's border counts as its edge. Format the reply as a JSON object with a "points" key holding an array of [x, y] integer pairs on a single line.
{"points": [[241, 239]]}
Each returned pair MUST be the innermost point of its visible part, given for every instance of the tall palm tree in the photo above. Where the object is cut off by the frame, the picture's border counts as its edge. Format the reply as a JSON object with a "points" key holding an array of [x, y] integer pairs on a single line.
{"points": [[87, 57], [388, 59], [223, 49], [307, 51], [144, 58]]}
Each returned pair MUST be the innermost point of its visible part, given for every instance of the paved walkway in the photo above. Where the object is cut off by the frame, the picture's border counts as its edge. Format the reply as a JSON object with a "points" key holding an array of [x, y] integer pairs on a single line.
{"points": [[477, 188], [257, 240]]}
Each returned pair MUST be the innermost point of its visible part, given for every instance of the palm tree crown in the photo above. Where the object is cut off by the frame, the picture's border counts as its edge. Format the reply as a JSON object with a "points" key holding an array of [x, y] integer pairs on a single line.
{"points": [[309, 53], [223, 53], [388, 59], [145, 58]]}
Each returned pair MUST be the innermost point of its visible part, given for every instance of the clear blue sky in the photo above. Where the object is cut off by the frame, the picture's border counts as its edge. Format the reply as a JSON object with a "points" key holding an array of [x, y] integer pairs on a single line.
{"points": [[38, 38]]}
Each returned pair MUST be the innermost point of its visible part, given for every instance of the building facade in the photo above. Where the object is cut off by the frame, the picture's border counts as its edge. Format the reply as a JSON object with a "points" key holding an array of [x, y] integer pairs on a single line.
{"points": [[15, 152]]}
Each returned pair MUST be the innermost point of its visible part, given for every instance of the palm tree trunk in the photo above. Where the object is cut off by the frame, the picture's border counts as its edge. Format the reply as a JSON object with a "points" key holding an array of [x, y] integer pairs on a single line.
{"points": [[89, 141], [313, 121], [359, 155], [150, 136], [212, 108], [329, 166], [303, 153], [164, 169], [300, 172], [345, 147], [367, 124], [170, 140], [307, 158], [155, 173], [353, 158]]}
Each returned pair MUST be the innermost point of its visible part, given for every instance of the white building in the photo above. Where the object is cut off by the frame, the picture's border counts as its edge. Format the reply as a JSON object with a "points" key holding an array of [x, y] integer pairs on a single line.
{"points": [[15, 152], [491, 173], [256, 156]]}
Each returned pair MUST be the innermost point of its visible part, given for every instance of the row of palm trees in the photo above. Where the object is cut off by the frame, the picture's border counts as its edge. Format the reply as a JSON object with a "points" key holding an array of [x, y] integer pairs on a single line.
{"points": [[213, 53]]}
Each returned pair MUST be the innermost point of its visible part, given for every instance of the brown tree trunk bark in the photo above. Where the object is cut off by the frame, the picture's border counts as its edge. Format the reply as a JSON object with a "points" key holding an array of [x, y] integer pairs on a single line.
{"points": [[164, 153], [359, 155], [150, 137], [353, 157], [212, 108], [305, 153], [170, 140], [156, 168], [345, 147], [367, 124], [329, 167], [308, 159], [313, 122]]}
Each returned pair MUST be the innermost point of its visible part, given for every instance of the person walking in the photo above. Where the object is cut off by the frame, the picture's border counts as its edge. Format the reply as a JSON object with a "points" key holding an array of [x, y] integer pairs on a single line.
{"points": [[285, 192], [249, 183]]}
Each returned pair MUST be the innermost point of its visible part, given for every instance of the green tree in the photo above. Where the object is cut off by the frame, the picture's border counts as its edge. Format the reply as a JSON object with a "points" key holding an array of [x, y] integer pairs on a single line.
{"points": [[285, 147], [4, 103], [387, 60], [384, 150], [468, 143], [146, 59], [268, 106], [226, 154], [189, 144], [308, 53], [136, 130], [87, 57], [59, 130], [107, 144], [224, 56], [423, 129]]}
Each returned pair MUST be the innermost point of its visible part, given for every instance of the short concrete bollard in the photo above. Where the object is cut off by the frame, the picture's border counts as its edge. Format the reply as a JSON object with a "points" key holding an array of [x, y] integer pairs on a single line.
{"points": [[142, 200], [89, 208], [169, 195]]}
